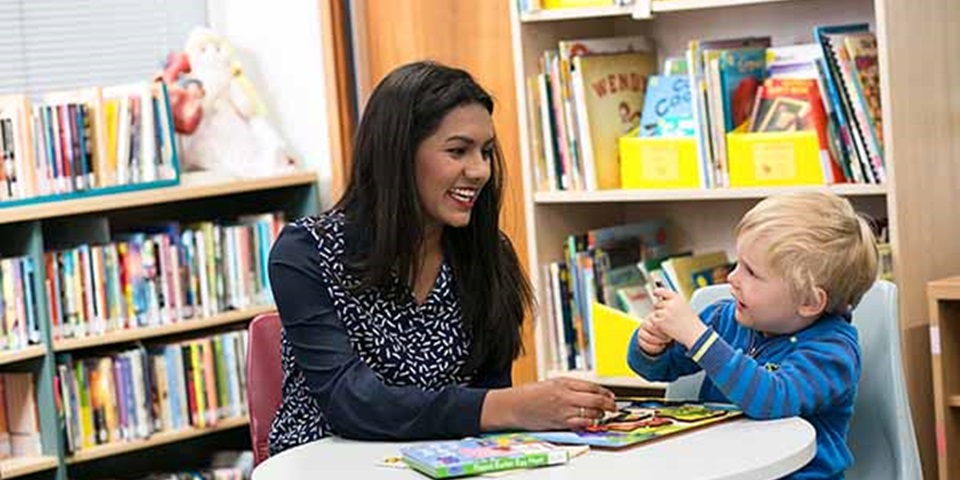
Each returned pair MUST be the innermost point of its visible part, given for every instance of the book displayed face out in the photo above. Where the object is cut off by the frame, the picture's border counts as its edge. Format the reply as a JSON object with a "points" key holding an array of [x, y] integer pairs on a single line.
{"points": [[643, 420]]}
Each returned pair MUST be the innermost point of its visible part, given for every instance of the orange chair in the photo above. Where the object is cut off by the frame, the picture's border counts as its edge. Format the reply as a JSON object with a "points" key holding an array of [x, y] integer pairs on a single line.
{"points": [[266, 375]]}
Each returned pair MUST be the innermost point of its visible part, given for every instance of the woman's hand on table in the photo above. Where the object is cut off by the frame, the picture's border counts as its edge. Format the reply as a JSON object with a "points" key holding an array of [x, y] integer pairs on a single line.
{"points": [[556, 404]]}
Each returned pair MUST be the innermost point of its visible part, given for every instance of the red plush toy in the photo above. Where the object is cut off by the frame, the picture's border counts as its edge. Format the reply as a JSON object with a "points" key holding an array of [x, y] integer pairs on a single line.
{"points": [[186, 95]]}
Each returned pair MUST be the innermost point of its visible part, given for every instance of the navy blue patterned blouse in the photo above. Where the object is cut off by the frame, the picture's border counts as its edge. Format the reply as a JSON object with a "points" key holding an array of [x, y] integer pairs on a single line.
{"points": [[370, 365]]}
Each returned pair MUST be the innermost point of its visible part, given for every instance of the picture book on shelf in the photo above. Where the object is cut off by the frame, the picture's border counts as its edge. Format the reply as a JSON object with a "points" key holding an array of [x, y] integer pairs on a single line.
{"points": [[740, 71], [642, 420], [666, 108], [475, 456], [608, 91]]}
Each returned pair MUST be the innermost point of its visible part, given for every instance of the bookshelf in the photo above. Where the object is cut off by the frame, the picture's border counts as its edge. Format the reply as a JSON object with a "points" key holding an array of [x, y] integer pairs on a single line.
{"points": [[919, 198], [30, 230], [157, 439], [15, 356], [19, 467], [945, 359], [143, 333]]}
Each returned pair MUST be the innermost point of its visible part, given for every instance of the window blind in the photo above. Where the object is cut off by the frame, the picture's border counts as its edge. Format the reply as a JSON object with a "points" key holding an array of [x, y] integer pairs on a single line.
{"points": [[51, 45]]}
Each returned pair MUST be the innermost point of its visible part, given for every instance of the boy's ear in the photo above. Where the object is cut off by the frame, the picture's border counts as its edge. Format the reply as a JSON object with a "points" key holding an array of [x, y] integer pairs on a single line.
{"points": [[815, 306]]}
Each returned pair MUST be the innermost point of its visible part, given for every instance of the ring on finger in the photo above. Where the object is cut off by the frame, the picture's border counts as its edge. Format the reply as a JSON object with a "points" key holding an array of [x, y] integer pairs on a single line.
{"points": [[583, 413]]}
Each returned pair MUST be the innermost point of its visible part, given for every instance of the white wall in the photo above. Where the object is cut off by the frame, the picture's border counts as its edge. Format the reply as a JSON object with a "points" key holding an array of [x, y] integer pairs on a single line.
{"points": [[279, 45]]}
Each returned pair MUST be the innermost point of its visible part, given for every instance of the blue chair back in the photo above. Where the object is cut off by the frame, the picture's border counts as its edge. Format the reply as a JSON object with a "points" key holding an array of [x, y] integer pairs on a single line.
{"points": [[881, 437]]}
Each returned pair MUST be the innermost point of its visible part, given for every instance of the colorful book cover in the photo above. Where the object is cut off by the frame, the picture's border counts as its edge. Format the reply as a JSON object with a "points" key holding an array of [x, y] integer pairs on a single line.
{"points": [[474, 456], [864, 62], [680, 270], [712, 275], [787, 105], [741, 72], [667, 111], [860, 123], [840, 113], [612, 89], [644, 420]]}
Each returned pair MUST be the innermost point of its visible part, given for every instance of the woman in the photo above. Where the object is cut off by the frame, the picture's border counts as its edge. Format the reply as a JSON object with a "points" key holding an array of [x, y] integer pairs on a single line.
{"points": [[402, 306]]}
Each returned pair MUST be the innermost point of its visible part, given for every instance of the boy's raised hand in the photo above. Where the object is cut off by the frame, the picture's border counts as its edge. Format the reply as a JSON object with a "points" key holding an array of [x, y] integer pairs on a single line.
{"points": [[651, 340], [674, 317]]}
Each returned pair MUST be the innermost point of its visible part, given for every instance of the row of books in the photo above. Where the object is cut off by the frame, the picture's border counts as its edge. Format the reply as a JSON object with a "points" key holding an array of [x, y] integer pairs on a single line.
{"points": [[160, 276], [590, 92], [18, 304], [19, 426], [830, 87], [135, 393], [86, 139], [595, 266]]}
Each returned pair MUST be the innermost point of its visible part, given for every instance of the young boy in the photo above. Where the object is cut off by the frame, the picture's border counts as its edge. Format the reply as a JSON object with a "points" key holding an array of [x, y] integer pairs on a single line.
{"points": [[784, 345]]}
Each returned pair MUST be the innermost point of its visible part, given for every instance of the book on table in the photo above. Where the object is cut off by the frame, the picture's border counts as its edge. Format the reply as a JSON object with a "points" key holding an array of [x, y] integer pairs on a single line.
{"points": [[475, 456]]}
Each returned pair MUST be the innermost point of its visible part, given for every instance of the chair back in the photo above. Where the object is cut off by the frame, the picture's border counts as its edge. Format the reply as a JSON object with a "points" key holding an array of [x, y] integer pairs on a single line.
{"points": [[265, 373], [881, 436]]}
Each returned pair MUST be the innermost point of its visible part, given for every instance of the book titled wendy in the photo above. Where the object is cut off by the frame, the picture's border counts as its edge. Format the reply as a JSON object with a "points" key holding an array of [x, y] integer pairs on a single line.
{"points": [[643, 420], [475, 456]]}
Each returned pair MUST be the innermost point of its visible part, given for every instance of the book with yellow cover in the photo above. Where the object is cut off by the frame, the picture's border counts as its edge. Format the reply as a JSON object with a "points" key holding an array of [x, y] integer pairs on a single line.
{"points": [[608, 91], [681, 269]]}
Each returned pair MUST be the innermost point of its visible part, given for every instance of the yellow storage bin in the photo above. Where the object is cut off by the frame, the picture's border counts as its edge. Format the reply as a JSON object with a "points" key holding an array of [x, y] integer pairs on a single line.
{"points": [[556, 4], [774, 159], [659, 162], [612, 330]]}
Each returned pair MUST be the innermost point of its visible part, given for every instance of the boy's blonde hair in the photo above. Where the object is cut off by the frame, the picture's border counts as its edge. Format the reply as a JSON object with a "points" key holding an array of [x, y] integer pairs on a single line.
{"points": [[816, 240]]}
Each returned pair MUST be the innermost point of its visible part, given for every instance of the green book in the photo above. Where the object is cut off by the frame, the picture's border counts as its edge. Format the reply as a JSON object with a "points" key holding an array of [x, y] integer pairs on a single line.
{"points": [[475, 456]]}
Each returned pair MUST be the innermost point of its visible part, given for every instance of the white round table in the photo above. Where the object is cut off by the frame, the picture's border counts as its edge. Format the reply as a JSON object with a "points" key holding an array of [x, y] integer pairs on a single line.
{"points": [[740, 449]]}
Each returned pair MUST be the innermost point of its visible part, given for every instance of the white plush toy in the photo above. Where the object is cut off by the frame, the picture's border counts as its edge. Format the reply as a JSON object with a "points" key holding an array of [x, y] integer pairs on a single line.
{"points": [[233, 136]]}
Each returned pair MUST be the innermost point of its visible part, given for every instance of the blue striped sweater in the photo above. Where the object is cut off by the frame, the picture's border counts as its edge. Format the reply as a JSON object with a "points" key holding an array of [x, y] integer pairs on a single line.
{"points": [[812, 373]]}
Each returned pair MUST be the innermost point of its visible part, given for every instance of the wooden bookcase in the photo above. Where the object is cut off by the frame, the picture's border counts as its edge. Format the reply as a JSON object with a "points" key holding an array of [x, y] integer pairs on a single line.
{"points": [[27, 230], [945, 357], [918, 82]]}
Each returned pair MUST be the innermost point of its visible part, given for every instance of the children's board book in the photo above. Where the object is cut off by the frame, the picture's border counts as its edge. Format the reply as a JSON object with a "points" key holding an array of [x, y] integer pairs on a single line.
{"points": [[475, 456], [644, 420], [666, 108]]}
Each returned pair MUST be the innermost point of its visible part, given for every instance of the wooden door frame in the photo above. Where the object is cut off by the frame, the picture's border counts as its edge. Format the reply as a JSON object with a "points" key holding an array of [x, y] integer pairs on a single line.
{"points": [[336, 41]]}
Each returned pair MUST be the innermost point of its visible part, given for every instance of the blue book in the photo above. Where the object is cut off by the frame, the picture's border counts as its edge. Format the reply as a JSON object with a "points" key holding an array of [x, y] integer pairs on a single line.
{"points": [[30, 300], [667, 111], [741, 73]]}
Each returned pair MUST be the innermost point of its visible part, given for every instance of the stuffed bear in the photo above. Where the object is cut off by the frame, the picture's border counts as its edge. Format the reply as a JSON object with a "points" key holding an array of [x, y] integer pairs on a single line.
{"points": [[221, 121]]}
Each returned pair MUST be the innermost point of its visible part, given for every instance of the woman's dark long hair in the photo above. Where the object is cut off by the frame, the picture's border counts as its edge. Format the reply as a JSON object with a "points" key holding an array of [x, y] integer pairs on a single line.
{"points": [[405, 108]]}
